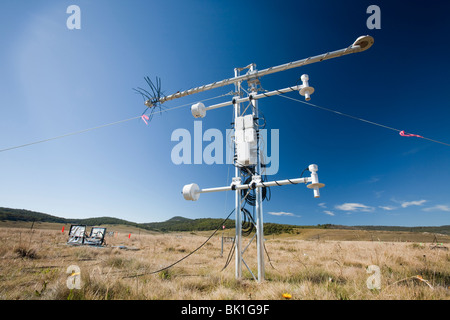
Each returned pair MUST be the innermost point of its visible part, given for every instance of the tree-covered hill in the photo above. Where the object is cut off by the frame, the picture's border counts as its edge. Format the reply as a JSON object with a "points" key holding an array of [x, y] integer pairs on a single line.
{"points": [[175, 224], [178, 223]]}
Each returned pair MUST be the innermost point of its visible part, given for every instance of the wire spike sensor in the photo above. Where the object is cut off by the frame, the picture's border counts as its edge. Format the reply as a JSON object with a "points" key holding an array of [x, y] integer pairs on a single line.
{"points": [[152, 96]]}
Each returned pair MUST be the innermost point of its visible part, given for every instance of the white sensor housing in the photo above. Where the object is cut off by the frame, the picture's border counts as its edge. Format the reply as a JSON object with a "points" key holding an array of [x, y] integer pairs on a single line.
{"points": [[191, 192], [364, 42], [315, 185], [306, 90], [198, 110]]}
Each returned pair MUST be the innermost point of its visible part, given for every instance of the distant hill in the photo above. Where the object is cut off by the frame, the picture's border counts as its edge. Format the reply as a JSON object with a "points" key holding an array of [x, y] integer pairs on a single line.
{"points": [[185, 224], [175, 224], [178, 223], [8, 214]]}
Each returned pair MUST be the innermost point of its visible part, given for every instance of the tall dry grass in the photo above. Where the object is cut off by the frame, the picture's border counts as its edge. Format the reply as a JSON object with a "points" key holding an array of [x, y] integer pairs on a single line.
{"points": [[305, 269]]}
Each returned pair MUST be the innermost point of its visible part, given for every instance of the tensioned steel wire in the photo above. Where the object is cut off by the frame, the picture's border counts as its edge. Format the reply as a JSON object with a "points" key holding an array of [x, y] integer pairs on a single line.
{"points": [[359, 119], [102, 126], [184, 105]]}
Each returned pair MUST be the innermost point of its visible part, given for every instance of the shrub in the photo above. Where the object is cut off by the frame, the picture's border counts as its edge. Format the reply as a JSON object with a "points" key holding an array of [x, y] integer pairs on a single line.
{"points": [[24, 252]]}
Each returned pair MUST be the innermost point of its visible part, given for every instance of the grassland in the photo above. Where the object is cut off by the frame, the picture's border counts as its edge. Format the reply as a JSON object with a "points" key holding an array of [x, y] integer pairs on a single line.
{"points": [[314, 264]]}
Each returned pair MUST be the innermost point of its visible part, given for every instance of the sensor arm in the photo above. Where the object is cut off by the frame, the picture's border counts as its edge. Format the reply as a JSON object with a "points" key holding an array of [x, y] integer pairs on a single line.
{"points": [[199, 110], [361, 44], [255, 96], [192, 191]]}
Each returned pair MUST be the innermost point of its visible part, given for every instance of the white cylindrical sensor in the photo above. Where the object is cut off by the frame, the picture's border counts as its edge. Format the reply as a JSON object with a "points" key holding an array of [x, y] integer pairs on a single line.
{"points": [[198, 110], [306, 90], [315, 184], [307, 95], [316, 193], [191, 192]]}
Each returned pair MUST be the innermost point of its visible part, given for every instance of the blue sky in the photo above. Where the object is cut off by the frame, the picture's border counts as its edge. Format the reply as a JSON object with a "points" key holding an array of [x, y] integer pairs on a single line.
{"points": [[55, 81]]}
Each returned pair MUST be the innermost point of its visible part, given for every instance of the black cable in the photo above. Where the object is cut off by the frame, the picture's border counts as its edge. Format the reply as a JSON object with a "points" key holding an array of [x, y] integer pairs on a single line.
{"points": [[192, 252], [230, 255], [247, 173], [270, 261], [248, 223], [269, 193], [251, 197], [306, 169], [263, 126]]}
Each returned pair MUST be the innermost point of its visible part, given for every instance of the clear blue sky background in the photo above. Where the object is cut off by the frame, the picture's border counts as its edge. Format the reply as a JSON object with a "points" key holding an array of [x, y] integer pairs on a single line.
{"points": [[54, 81]]}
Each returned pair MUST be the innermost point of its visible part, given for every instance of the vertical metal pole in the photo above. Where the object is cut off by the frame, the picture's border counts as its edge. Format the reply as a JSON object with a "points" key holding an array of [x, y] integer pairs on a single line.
{"points": [[258, 191], [238, 241]]}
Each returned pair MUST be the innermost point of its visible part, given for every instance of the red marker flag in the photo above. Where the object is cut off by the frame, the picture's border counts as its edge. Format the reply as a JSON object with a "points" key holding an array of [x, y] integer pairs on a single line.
{"points": [[62, 229], [403, 134], [145, 118], [129, 235]]}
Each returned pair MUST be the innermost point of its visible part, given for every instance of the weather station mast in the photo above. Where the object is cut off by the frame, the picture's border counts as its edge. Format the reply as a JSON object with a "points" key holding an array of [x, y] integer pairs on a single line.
{"points": [[246, 140]]}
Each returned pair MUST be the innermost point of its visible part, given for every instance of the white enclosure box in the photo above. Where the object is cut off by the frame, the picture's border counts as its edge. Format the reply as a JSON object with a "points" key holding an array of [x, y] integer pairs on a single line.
{"points": [[239, 136], [250, 135], [248, 121], [239, 123], [253, 154], [246, 140], [243, 153], [246, 154]]}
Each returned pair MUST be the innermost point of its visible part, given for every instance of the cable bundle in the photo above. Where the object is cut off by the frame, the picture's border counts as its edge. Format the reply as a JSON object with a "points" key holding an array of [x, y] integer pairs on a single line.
{"points": [[250, 199], [248, 223]]}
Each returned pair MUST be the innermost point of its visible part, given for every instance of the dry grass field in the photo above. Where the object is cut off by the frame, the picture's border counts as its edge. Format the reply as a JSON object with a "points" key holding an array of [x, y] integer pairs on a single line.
{"points": [[34, 265]]}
